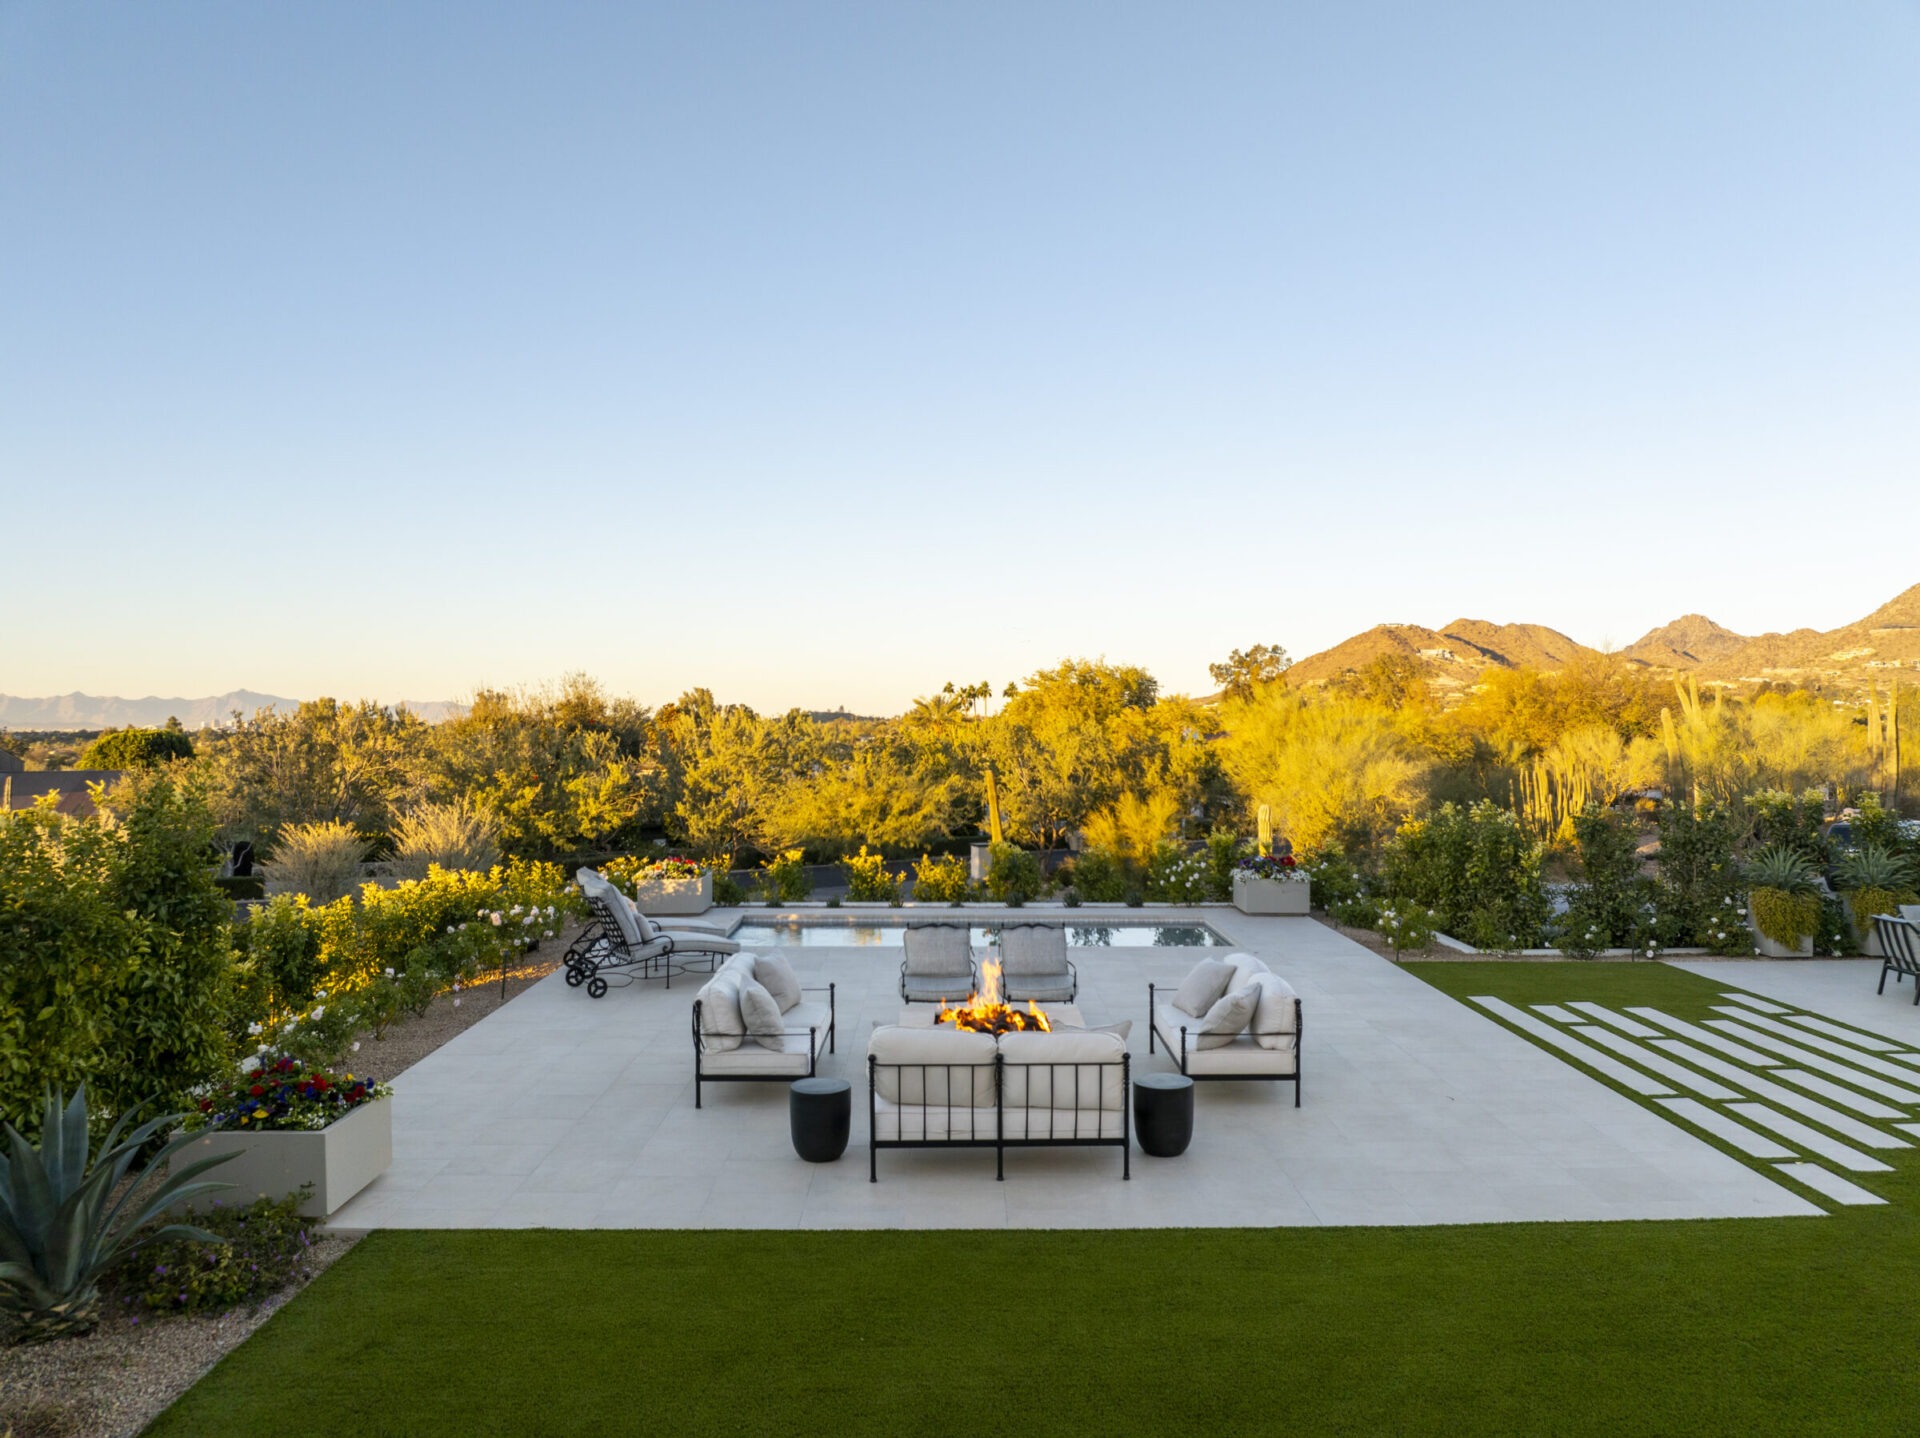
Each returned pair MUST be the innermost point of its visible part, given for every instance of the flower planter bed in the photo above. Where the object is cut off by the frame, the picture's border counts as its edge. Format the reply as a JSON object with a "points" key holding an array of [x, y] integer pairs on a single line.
{"points": [[674, 896], [1253, 895], [338, 1160]]}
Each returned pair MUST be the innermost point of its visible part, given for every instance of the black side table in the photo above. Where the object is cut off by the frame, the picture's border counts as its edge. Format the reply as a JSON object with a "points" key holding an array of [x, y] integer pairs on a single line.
{"points": [[1163, 1113], [820, 1113]]}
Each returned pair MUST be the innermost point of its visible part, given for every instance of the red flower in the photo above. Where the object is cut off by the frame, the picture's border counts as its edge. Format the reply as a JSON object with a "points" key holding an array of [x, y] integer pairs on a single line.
{"points": [[256, 1090]]}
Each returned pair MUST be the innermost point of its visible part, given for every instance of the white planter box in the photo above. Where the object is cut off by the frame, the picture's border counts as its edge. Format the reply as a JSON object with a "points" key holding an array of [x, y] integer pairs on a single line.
{"points": [[1252, 895], [338, 1160], [1769, 949], [674, 896]]}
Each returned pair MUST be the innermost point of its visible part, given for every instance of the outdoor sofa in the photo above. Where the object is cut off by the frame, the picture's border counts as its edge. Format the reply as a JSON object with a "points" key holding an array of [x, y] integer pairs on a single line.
{"points": [[753, 1023], [1230, 1018], [951, 1088]]}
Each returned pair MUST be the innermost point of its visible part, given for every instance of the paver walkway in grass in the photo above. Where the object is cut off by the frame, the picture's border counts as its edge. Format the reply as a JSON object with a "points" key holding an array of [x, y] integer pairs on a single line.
{"points": [[565, 1111]]}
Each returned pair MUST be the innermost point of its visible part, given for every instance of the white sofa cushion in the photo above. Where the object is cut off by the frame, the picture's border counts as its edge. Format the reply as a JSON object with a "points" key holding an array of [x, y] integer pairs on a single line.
{"points": [[1228, 1018], [721, 1027], [776, 975], [1243, 1058], [1202, 988], [1246, 968], [932, 1124], [1274, 1014], [1058, 1124], [1088, 1074], [752, 1059], [761, 1014], [802, 1019], [937, 951], [949, 1067], [1122, 1030]]}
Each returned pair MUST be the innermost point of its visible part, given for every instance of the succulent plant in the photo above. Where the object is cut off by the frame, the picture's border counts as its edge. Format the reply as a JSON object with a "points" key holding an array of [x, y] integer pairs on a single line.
{"points": [[1782, 867], [65, 1216], [1873, 866]]}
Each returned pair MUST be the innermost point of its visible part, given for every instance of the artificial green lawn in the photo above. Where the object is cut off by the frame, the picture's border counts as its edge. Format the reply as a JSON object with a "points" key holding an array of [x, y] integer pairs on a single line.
{"points": [[1721, 1327]]}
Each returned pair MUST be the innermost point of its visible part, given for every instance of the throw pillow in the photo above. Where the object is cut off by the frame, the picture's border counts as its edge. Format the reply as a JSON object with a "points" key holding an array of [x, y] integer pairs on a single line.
{"points": [[1203, 987], [777, 976], [762, 1014], [1228, 1018], [1123, 1029], [721, 1027], [1273, 1016]]}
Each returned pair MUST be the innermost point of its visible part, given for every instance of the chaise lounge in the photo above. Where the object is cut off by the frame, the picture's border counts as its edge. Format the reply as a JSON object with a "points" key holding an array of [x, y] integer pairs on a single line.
{"points": [[620, 937], [1230, 1018]]}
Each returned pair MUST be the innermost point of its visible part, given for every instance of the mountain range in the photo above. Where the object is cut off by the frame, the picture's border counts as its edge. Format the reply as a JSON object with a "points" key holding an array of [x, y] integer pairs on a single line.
{"points": [[1880, 647], [88, 711]]}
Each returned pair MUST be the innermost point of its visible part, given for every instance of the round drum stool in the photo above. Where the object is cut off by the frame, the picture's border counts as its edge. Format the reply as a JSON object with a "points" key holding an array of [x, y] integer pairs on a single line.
{"points": [[820, 1112], [1163, 1114]]}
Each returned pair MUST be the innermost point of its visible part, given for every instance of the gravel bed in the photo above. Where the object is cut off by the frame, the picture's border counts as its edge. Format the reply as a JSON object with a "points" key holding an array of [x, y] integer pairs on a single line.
{"points": [[119, 1378]]}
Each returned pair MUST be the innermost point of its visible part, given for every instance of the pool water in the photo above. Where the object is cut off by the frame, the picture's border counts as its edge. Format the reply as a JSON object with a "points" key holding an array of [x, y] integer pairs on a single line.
{"points": [[1079, 936]]}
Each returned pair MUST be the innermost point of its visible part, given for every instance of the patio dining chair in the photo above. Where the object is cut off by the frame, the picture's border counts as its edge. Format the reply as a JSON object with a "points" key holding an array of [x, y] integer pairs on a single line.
{"points": [[1900, 950], [1034, 964], [938, 964]]}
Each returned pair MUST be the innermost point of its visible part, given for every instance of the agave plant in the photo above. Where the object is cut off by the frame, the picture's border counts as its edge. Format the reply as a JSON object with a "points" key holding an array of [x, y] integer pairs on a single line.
{"points": [[1782, 867], [67, 1212], [1873, 866]]}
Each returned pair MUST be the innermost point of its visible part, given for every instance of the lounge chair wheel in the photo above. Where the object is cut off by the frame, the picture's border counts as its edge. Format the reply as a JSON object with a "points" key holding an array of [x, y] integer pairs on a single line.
{"points": [[596, 987], [574, 977]]}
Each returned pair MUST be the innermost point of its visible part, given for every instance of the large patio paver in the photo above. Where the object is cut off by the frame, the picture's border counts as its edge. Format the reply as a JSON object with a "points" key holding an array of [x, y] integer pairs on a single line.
{"points": [[563, 1111]]}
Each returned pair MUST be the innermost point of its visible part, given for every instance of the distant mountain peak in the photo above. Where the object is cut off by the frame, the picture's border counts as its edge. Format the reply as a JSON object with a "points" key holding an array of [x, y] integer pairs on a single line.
{"points": [[89, 711]]}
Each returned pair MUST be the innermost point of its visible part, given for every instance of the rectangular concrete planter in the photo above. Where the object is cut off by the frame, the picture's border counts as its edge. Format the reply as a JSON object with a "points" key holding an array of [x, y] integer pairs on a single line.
{"points": [[1772, 950], [1252, 895], [674, 896], [338, 1160]]}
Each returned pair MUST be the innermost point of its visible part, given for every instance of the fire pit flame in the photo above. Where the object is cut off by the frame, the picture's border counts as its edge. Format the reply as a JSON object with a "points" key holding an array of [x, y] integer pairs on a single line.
{"points": [[985, 1013]]}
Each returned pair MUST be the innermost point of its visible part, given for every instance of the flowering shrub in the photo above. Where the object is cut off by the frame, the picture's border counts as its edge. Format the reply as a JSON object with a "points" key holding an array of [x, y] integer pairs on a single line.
{"points": [[268, 1246], [1176, 877], [868, 880], [939, 881], [1099, 877], [1014, 876], [784, 879], [1407, 928], [1269, 866], [282, 1093]]}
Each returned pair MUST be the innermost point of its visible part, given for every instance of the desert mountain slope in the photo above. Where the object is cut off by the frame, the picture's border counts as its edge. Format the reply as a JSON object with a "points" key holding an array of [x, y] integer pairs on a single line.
{"points": [[1691, 640], [90, 711]]}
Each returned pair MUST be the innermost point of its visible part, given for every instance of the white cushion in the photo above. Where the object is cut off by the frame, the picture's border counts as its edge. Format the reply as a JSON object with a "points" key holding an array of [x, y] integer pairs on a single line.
{"points": [[958, 1066], [1245, 969], [1122, 1030], [1065, 1069], [1202, 988], [761, 1015], [1031, 951], [776, 975], [646, 928], [919, 1121], [802, 1018], [1273, 1015], [721, 1026], [1228, 1018], [1242, 1058], [752, 1059]]}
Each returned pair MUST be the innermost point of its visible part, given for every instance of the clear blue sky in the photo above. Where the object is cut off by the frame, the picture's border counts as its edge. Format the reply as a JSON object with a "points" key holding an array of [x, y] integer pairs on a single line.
{"points": [[821, 353]]}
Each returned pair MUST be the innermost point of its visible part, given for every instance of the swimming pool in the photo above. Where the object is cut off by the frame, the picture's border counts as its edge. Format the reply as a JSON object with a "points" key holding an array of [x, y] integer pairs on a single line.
{"points": [[1079, 936]]}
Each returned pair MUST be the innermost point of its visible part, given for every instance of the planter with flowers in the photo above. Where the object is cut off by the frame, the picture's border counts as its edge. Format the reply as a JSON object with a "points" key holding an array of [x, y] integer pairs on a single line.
{"points": [[290, 1128], [1271, 884], [666, 886]]}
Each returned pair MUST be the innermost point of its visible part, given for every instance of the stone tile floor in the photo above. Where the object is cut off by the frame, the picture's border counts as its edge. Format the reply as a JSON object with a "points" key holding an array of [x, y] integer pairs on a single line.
{"points": [[563, 1111]]}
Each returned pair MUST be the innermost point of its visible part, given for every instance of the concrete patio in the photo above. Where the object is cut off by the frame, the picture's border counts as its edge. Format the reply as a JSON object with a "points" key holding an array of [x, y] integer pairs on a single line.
{"points": [[563, 1111]]}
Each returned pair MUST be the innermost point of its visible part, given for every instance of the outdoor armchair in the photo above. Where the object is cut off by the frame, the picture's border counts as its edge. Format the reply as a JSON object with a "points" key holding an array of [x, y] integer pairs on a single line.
{"points": [[938, 963], [1900, 951], [1034, 964]]}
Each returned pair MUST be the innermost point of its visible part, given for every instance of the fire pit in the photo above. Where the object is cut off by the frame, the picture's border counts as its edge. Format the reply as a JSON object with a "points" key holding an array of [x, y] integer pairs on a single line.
{"points": [[984, 1013]]}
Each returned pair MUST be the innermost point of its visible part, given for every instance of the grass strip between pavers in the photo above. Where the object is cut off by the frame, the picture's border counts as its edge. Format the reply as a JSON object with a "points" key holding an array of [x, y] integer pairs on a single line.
{"points": [[1745, 1326]]}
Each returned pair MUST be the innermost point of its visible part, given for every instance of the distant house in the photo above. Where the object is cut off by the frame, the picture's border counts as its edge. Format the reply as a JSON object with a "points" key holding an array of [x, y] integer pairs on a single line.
{"points": [[21, 790]]}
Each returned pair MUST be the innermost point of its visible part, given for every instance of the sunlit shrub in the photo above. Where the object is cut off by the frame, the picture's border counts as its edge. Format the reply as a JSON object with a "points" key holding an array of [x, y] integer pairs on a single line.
{"points": [[940, 881], [321, 860], [454, 836]]}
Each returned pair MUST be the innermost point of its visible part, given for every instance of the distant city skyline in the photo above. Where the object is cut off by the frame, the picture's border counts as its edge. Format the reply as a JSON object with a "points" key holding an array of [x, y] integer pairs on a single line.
{"points": [[820, 356]]}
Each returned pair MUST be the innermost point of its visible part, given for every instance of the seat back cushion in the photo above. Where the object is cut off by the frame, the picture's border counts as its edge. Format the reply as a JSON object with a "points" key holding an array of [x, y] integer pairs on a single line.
{"points": [[1228, 1018], [1245, 969], [1065, 1069], [938, 950], [647, 930], [761, 1014], [1274, 1013], [721, 1026], [939, 1066], [1033, 950], [776, 975], [1202, 988]]}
